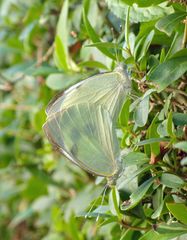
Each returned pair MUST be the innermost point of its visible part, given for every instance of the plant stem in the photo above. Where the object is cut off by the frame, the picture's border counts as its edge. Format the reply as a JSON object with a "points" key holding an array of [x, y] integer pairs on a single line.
{"points": [[126, 225], [171, 90]]}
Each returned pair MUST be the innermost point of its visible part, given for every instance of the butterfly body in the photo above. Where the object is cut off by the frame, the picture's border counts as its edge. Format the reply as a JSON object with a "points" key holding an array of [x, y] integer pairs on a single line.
{"points": [[81, 123]]}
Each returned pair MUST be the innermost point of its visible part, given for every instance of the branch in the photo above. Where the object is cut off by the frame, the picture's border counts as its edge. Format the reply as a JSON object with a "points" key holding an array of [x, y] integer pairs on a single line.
{"points": [[126, 225]]}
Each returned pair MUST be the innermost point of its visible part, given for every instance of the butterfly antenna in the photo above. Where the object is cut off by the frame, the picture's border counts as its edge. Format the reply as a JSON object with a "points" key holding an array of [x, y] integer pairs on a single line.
{"points": [[102, 200], [94, 203]]}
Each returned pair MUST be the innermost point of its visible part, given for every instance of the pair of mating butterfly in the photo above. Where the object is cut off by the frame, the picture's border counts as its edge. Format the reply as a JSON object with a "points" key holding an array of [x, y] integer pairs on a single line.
{"points": [[81, 122]]}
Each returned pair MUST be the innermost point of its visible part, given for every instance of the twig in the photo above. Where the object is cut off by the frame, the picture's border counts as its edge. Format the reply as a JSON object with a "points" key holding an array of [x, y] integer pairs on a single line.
{"points": [[46, 56], [126, 225], [178, 105], [158, 98], [169, 89]]}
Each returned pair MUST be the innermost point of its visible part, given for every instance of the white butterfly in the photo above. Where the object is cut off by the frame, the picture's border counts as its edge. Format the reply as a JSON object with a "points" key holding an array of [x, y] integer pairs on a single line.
{"points": [[80, 123]]}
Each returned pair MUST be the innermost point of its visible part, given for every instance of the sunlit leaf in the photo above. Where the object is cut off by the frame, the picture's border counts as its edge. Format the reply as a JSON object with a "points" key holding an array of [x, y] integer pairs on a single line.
{"points": [[95, 38], [171, 70], [136, 196], [181, 145], [138, 14], [168, 23], [179, 211]]}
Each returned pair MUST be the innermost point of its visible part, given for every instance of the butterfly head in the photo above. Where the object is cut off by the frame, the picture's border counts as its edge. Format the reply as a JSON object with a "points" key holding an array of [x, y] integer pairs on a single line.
{"points": [[124, 77]]}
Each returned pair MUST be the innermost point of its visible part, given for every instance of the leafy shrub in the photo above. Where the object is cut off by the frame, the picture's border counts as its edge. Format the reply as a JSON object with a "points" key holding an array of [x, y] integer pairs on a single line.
{"points": [[47, 46]]}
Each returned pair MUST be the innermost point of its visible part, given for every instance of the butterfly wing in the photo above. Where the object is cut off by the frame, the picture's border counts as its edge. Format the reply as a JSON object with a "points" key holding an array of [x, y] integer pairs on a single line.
{"points": [[84, 133], [108, 90]]}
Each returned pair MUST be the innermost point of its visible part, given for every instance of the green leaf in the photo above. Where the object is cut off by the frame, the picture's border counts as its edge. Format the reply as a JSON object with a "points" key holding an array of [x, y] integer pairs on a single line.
{"points": [[135, 158], [109, 45], [153, 236], [162, 128], [61, 39], [95, 38], [43, 70], [170, 71], [175, 46], [172, 229], [101, 211], [158, 203], [137, 196], [143, 3], [86, 6], [140, 171], [137, 101], [128, 2], [162, 55], [143, 63], [62, 31], [171, 180], [158, 211], [141, 106], [170, 128], [166, 233], [93, 64], [141, 112], [181, 145], [152, 133], [147, 3], [179, 211], [74, 231], [38, 119], [180, 53], [114, 200], [60, 55], [152, 140], [124, 114], [143, 46], [124, 184], [137, 14], [168, 23], [130, 234], [179, 119]]}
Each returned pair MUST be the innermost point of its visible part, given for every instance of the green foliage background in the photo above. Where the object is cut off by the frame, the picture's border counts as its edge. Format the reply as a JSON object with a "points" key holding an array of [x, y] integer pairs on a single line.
{"points": [[47, 46]]}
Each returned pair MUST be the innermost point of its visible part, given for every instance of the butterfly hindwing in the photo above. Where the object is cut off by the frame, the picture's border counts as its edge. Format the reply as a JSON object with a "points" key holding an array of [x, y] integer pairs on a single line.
{"points": [[85, 134]]}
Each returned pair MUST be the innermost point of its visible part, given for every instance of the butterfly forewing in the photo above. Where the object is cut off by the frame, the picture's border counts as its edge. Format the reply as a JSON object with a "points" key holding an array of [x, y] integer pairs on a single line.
{"points": [[85, 134], [108, 90]]}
